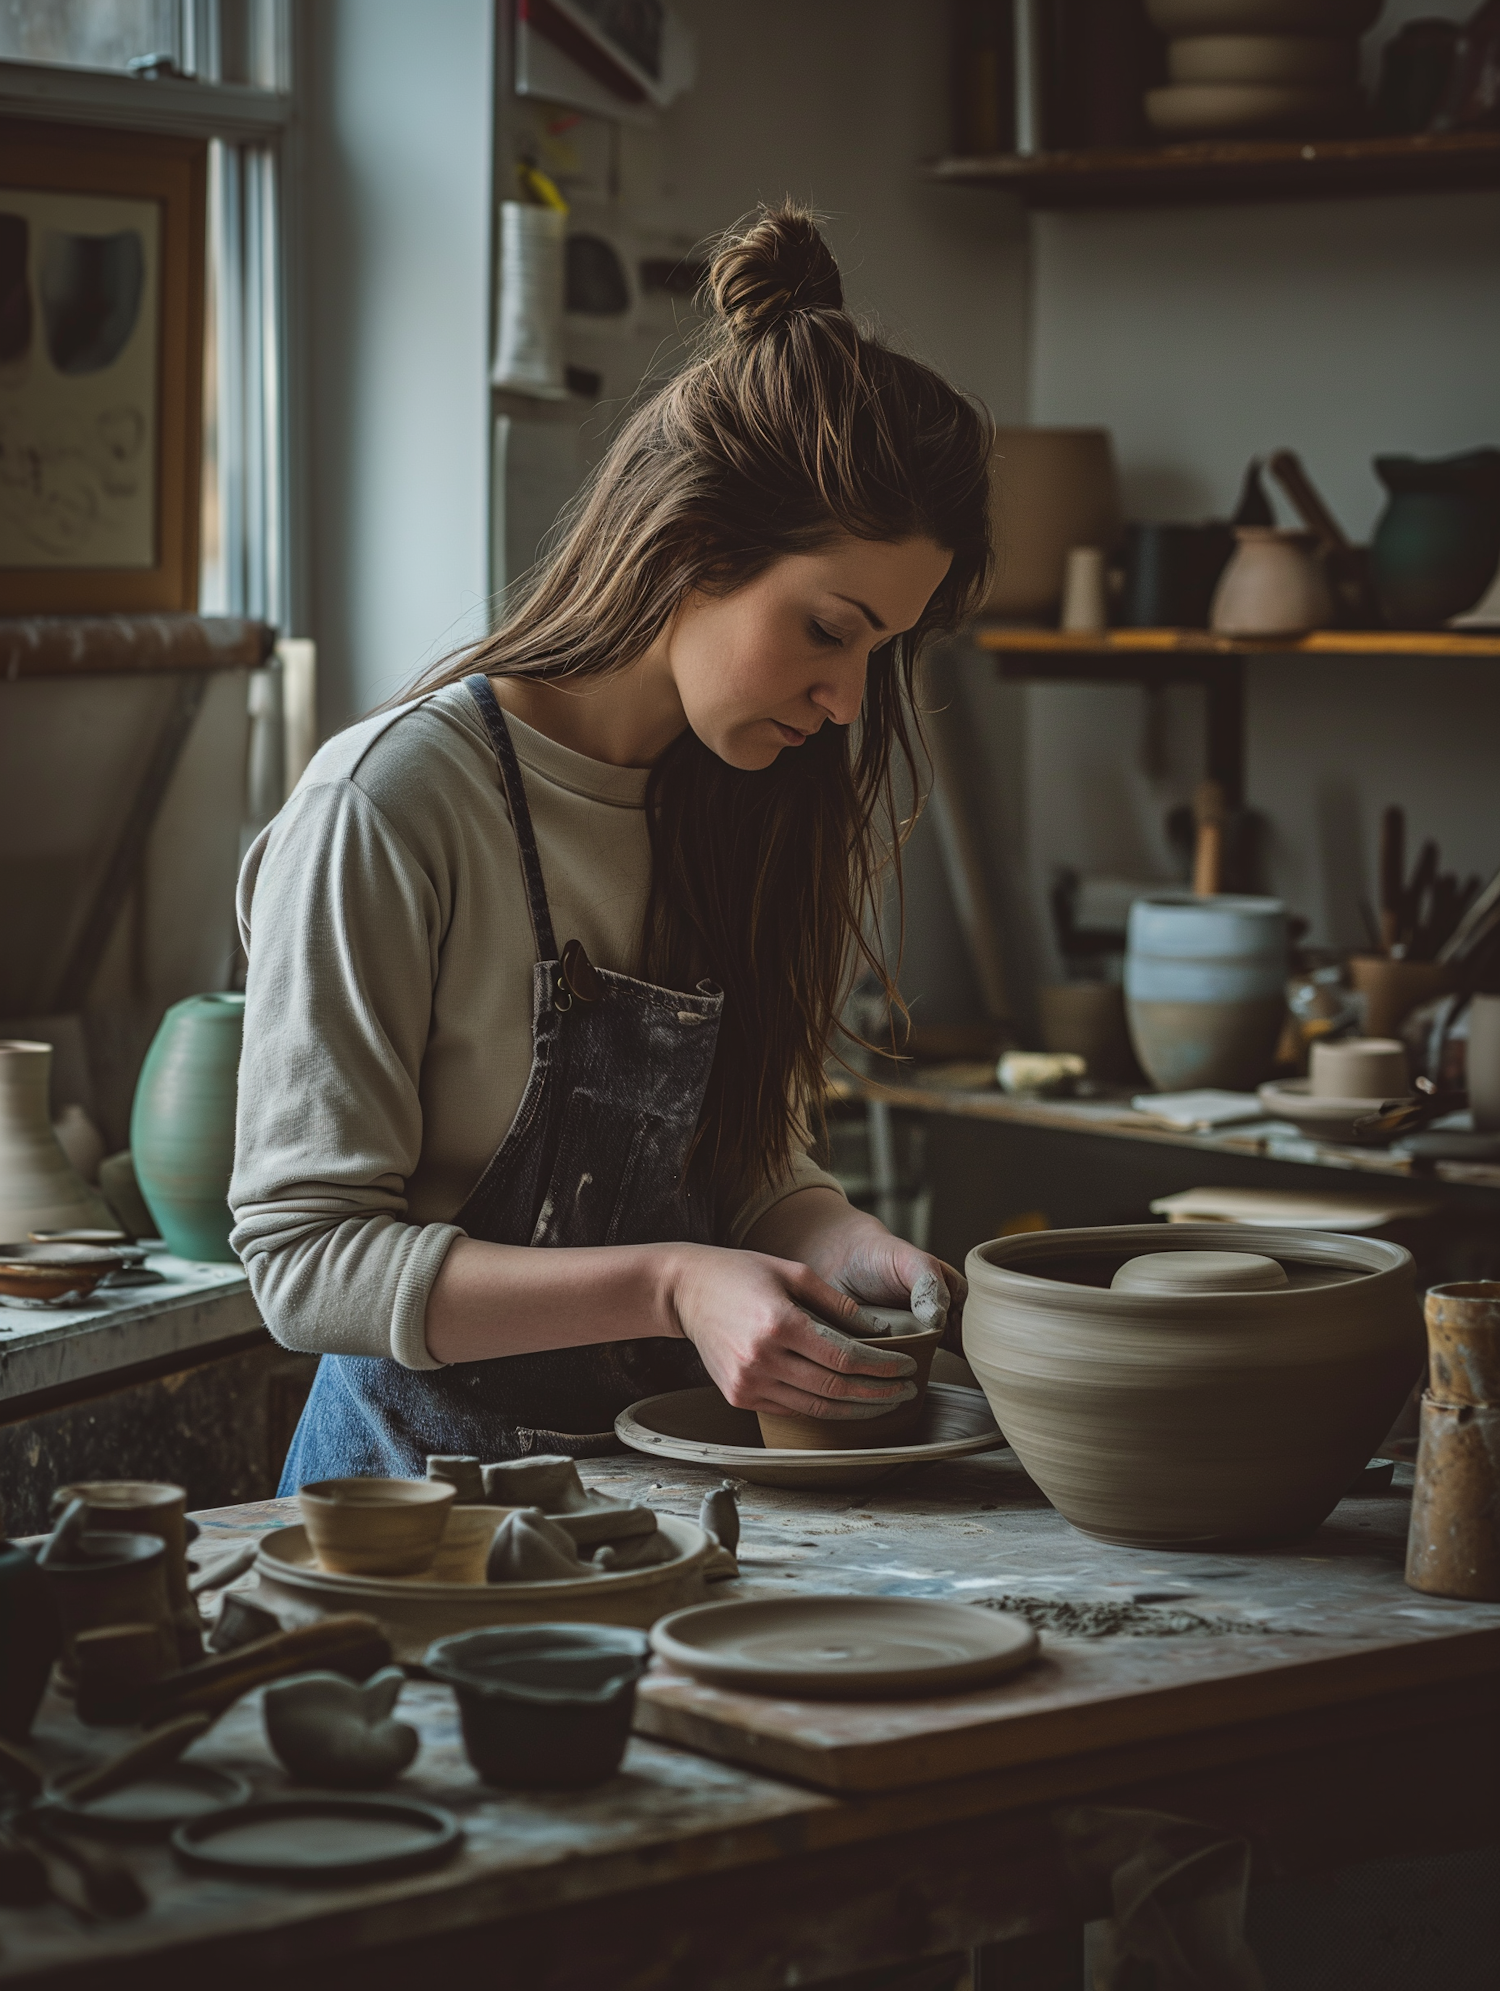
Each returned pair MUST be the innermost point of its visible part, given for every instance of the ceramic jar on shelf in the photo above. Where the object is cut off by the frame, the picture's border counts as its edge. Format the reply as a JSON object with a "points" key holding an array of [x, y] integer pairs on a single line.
{"points": [[1204, 988], [1254, 67], [40, 1190], [1437, 543], [182, 1124], [1274, 585]]}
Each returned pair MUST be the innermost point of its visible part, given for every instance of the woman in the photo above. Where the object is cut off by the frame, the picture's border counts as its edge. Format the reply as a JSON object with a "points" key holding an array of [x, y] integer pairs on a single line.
{"points": [[552, 953]]}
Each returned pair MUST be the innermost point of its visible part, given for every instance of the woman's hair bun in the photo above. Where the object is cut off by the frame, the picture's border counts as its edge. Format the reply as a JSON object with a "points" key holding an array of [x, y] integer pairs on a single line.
{"points": [[768, 269]]}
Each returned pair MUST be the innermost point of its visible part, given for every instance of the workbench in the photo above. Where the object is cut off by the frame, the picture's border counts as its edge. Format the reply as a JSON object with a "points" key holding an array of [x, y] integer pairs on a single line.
{"points": [[106, 1388], [1302, 1697], [992, 1160]]}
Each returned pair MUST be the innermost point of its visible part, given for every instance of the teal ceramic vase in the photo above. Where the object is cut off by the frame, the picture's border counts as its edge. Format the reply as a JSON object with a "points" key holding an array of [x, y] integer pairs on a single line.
{"points": [[182, 1124], [1437, 542]]}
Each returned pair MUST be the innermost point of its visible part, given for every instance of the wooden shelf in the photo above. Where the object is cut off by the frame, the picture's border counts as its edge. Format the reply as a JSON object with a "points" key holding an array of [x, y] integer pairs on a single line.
{"points": [[1200, 656], [1196, 649], [1214, 170]]}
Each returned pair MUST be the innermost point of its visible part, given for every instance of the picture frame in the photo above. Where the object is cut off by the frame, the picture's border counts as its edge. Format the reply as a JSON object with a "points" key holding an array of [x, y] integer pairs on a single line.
{"points": [[102, 244]]}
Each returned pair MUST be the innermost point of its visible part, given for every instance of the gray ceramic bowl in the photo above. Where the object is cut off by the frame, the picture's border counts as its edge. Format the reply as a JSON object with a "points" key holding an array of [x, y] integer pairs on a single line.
{"points": [[544, 1707]]}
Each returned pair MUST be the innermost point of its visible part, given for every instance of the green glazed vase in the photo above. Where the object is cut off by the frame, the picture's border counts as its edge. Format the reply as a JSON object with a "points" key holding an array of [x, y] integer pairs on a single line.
{"points": [[182, 1124]]}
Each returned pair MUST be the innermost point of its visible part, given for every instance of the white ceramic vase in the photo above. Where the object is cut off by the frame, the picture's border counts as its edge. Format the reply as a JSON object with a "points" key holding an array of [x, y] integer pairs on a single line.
{"points": [[40, 1190], [1204, 988], [1200, 1417], [1273, 586]]}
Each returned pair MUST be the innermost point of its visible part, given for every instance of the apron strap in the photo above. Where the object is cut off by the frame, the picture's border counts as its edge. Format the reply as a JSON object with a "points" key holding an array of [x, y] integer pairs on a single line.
{"points": [[478, 688]]}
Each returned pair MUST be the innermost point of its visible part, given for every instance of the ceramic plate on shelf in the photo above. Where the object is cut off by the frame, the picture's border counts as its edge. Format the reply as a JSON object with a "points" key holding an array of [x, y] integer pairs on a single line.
{"points": [[320, 1840], [699, 1427], [412, 1612], [845, 1648], [1319, 1117]]}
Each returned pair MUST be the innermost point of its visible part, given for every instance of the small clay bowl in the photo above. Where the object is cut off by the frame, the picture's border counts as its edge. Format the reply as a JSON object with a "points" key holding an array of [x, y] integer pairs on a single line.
{"points": [[376, 1527], [465, 1546], [793, 1433], [33, 1271], [544, 1707]]}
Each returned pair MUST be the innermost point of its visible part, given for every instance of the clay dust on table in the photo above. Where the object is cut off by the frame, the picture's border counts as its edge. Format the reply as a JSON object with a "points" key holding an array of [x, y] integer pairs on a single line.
{"points": [[1065, 1618]]}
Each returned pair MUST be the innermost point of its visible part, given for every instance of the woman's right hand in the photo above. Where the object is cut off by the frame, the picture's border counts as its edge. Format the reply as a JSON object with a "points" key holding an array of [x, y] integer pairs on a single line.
{"points": [[748, 1317]]}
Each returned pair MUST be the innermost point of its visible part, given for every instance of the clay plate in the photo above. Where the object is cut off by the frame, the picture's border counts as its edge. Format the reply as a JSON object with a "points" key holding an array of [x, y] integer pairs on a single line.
{"points": [[845, 1648], [156, 1802], [412, 1611], [1319, 1116], [701, 1428], [321, 1840], [52, 1271]]}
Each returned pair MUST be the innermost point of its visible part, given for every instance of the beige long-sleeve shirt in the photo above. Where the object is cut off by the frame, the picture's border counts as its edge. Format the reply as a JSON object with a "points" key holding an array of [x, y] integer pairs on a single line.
{"points": [[388, 1011]]}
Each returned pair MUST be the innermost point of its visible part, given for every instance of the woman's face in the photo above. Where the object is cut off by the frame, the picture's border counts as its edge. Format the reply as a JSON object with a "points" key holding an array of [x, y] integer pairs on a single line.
{"points": [[764, 667]]}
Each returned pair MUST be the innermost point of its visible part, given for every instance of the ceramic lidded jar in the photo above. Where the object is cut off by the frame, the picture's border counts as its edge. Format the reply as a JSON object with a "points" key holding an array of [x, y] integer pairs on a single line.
{"points": [[1273, 586], [182, 1124], [40, 1190], [1230, 1409], [1204, 987], [1437, 542]]}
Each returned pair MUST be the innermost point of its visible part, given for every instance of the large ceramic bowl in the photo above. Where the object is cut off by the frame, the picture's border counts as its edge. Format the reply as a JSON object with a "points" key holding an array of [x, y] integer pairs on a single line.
{"points": [[1197, 1418]]}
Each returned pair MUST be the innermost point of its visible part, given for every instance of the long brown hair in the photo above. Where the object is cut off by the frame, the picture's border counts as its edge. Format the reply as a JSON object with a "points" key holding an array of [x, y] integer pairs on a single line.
{"points": [[790, 427]]}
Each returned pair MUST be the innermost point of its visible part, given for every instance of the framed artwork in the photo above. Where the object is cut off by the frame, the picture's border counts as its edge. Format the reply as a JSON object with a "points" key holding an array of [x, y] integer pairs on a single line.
{"points": [[101, 369]]}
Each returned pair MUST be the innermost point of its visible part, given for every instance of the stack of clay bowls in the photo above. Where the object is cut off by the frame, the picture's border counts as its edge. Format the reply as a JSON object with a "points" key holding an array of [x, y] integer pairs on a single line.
{"points": [[1253, 68], [1179, 1387], [1348, 1081]]}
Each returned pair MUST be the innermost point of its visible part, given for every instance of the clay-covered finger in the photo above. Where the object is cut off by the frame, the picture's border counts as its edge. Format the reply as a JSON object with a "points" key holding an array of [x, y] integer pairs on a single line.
{"points": [[930, 1300]]}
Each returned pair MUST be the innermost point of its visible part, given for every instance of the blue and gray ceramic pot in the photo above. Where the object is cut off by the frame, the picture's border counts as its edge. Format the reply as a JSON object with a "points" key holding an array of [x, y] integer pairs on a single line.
{"points": [[1205, 986]]}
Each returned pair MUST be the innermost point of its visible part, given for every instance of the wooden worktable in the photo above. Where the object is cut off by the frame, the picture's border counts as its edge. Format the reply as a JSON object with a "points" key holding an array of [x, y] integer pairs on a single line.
{"points": [[1305, 1698]]}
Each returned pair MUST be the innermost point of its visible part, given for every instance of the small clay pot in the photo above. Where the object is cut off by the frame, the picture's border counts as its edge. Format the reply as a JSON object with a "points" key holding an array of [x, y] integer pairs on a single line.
{"points": [[1482, 1062], [792, 1433], [544, 1707], [1273, 586], [146, 1507], [376, 1527], [1088, 1019], [1393, 989], [1205, 982], [120, 1581], [1359, 1068]]}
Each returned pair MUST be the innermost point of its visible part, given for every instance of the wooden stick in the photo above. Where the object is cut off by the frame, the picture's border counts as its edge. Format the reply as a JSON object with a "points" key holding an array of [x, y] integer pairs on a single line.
{"points": [[162, 1745]]}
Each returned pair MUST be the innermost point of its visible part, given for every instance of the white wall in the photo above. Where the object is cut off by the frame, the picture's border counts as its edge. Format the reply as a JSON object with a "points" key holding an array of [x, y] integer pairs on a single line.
{"points": [[398, 121], [836, 104]]}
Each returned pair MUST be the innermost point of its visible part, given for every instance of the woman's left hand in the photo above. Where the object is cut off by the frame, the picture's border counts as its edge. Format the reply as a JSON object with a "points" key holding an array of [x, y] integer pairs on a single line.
{"points": [[856, 1253]]}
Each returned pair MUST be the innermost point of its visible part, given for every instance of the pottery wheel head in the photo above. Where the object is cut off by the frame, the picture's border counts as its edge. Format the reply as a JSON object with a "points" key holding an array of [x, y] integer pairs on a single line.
{"points": [[1164, 1273]]}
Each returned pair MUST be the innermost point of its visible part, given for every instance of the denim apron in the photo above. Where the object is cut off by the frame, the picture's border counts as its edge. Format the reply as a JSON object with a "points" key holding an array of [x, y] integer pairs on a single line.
{"points": [[597, 1154]]}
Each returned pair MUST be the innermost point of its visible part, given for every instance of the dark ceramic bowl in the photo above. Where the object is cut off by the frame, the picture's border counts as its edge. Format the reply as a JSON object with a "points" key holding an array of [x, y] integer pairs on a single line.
{"points": [[544, 1707]]}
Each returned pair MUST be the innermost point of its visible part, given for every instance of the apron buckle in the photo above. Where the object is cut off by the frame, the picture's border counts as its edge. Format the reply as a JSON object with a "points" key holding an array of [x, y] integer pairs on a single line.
{"points": [[579, 977]]}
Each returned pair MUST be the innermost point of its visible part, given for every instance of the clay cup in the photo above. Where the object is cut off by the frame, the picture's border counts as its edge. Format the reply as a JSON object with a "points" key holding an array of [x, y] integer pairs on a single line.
{"points": [[146, 1507], [376, 1527], [793, 1433], [1359, 1068]]}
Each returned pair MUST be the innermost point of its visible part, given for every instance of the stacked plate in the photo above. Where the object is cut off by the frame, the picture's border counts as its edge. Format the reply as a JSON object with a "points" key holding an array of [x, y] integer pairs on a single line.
{"points": [[1256, 68]]}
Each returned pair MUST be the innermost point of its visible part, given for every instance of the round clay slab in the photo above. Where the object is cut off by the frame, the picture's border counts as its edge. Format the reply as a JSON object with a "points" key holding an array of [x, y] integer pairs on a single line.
{"points": [[156, 1802], [1164, 1273], [844, 1648], [699, 1427], [322, 1840]]}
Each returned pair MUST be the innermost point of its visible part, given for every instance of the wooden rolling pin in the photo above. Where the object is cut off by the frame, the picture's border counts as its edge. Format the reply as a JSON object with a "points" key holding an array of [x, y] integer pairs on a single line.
{"points": [[350, 1643]]}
